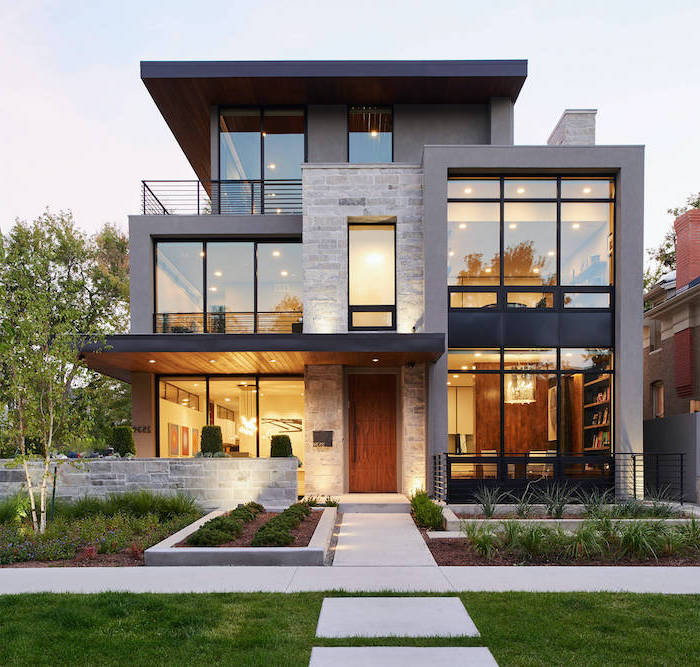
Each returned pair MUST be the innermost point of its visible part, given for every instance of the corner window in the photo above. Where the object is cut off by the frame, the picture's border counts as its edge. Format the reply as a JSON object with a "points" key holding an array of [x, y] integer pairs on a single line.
{"points": [[372, 273], [370, 134]]}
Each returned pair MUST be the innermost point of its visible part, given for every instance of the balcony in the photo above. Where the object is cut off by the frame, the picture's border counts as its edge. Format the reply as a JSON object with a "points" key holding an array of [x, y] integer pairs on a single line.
{"points": [[250, 197], [229, 323]]}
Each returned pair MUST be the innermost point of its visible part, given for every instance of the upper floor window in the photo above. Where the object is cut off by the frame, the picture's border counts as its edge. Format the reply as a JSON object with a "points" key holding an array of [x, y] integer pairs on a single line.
{"points": [[370, 134], [657, 399], [372, 273], [227, 287], [654, 335]]}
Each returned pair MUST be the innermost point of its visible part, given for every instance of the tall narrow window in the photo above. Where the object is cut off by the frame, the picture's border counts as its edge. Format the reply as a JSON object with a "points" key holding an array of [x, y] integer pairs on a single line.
{"points": [[372, 273], [657, 397], [179, 287], [230, 287], [370, 134]]}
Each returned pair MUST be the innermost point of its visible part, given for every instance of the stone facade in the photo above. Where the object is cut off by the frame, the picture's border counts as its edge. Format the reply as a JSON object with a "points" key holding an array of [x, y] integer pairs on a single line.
{"points": [[214, 482], [323, 395], [576, 127], [332, 193], [413, 428]]}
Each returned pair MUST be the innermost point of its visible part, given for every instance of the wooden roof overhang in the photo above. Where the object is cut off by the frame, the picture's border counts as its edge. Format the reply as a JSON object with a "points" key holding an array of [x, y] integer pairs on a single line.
{"points": [[271, 354]]}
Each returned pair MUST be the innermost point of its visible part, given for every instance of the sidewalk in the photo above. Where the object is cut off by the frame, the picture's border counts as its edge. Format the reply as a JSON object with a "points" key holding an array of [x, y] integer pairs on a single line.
{"points": [[677, 580]]}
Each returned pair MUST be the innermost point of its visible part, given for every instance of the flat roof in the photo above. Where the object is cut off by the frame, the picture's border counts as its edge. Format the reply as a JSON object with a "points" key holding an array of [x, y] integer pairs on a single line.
{"points": [[184, 91], [197, 354]]}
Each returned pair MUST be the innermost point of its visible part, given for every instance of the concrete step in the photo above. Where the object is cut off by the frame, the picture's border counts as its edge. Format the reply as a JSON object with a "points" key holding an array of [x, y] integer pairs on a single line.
{"points": [[401, 656], [374, 503]]}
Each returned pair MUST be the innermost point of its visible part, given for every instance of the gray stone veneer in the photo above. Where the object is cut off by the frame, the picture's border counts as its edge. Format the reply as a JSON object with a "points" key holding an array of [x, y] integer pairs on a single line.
{"points": [[413, 427], [334, 192], [213, 482]]}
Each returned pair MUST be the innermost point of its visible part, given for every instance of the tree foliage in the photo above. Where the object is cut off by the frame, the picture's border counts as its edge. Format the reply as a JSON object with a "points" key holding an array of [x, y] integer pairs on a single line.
{"points": [[58, 288]]}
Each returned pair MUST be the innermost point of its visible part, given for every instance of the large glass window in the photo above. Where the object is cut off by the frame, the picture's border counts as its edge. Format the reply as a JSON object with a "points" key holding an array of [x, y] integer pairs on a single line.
{"points": [[370, 134], [538, 232], [239, 144], [551, 403], [219, 278], [371, 275], [187, 404], [179, 287]]}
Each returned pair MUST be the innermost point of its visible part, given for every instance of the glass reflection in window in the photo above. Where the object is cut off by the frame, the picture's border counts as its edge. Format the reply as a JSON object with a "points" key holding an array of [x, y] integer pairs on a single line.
{"points": [[182, 414], [232, 407], [179, 289], [280, 286], [530, 238], [370, 134], [586, 243], [473, 242], [230, 287]]}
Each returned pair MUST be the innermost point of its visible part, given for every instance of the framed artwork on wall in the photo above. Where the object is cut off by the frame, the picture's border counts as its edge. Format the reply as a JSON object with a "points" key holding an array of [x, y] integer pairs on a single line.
{"points": [[173, 440], [195, 441], [184, 441]]}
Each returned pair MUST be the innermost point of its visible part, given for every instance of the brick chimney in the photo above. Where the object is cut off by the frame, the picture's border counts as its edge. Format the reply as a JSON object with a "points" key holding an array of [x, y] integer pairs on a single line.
{"points": [[687, 228], [576, 127]]}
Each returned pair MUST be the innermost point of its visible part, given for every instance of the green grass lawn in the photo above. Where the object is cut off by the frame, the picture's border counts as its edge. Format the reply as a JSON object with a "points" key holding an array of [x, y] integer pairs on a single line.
{"points": [[275, 629]]}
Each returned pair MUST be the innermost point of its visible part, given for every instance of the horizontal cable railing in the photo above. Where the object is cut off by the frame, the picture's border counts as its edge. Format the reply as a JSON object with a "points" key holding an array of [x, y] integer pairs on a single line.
{"points": [[229, 323], [651, 475], [229, 197], [439, 477]]}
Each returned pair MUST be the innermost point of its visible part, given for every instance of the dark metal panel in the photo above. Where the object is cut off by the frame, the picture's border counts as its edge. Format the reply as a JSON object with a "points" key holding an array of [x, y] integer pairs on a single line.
{"points": [[530, 329], [474, 329], [586, 329]]}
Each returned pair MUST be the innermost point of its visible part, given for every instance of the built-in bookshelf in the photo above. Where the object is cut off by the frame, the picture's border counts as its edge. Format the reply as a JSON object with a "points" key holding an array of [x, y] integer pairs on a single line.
{"points": [[597, 414]]}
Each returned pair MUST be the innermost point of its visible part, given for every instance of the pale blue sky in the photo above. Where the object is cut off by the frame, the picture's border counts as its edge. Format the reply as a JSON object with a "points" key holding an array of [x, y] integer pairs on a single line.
{"points": [[79, 131]]}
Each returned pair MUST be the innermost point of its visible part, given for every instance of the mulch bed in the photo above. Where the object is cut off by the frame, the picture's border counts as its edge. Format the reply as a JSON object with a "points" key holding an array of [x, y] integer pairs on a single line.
{"points": [[456, 551], [301, 534], [100, 560]]}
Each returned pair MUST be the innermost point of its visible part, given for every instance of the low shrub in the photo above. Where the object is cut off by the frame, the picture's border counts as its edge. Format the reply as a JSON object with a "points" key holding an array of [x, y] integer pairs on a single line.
{"points": [[15, 509], [427, 513], [488, 497], [224, 528], [277, 531], [313, 501], [211, 440], [122, 440], [280, 445]]}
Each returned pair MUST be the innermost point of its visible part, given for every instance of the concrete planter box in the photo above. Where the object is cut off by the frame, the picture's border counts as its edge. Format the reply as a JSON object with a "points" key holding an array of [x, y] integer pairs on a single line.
{"points": [[166, 553]]}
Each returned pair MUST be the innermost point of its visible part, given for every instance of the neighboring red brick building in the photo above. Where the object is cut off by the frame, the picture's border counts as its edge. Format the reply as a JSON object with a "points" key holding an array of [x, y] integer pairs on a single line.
{"points": [[672, 330]]}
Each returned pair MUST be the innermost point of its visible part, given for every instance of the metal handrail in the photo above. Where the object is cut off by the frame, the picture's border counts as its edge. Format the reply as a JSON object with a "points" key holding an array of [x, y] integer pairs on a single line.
{"points": [[249, 322], [282, 196]]}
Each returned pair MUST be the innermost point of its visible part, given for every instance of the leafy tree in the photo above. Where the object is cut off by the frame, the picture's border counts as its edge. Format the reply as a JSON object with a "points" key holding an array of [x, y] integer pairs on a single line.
{"points": [[693, 201], [55, 293]]}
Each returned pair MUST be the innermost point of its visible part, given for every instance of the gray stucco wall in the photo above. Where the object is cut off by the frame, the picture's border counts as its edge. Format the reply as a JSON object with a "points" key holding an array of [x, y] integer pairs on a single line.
{"points": [[326, 133], [144, 228], [502, 121], [627, 163], [416, 125], [214, 482], [675, 435]]}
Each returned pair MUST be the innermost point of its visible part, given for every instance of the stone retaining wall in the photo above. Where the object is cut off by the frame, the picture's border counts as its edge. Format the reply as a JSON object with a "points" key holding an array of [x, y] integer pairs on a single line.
{"points": [[214, 482]]}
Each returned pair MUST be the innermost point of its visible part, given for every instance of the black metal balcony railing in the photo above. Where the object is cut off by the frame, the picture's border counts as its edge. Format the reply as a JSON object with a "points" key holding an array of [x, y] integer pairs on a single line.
{"points": [[229, 323], [249, 197]]}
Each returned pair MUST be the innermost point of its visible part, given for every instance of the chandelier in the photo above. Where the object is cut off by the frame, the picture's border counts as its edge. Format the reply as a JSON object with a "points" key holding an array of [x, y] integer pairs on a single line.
{"points": [[520, 389], [248, 425]]}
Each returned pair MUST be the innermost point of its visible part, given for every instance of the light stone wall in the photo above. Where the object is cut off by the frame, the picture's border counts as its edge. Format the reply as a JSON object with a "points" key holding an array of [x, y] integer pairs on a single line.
{"points": [[323, 396], [215, 482], [576, 127], [332, 193], [413, 427]]}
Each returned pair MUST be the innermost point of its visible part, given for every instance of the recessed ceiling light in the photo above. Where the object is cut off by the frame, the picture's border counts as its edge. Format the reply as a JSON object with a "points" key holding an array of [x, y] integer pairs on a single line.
{"points": [[551, 253], [273, 194], [375, 360], [151, 361], [568, 354], [212, 289], [448, 382], [218, 274], [273, 361], [587, 190], [535, 270], [468, 191], [264, 134], [455, 376], [520, 191], [477, 354], [284, 274], [463, 225], [276, 253], [227, 399], [196, 384], [464, 368], [279, 210], [201, 253], [576, 225], [374, 133], [487, 269], [272, 165], [212, 361], [451, 253], [512, 225]]}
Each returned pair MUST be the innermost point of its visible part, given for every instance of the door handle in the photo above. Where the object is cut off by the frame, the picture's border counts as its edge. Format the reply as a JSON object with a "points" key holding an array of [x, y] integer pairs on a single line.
{"points": [[353, 426]]}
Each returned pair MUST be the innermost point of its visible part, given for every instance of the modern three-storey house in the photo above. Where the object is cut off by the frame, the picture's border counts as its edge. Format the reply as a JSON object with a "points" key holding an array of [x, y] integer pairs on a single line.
{"points": [[367, 263]]}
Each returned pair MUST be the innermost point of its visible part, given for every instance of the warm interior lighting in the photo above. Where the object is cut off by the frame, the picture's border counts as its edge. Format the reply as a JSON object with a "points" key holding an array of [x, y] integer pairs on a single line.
{"points": [[551, 253], [455, 376], [272, 165], [273, 194], [477, 354], [451, 253], [248, 425], [487, 269], [273, 361], [520, 389], [448, 382], [284, 274], [374, 258], [212, 361], [535, 270], [276, 253], [587, 190], [576, 225], [463, 225], [218, 274], [279, 210], [375, 360], [227, 399], [201, 253], [212, 289], [512, 225], [468, 191], [464, 368], [374, 133], [151, 361], [520, 191]]}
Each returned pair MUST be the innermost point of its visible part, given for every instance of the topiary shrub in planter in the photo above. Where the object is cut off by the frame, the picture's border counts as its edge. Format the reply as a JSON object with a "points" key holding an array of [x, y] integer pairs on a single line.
{"points": [[123, 440], [212, 442], [280, 445]]}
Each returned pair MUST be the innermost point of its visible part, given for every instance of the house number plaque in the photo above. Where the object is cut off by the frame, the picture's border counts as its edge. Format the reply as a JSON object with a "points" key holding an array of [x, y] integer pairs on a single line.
{"points": [[323, 438]]}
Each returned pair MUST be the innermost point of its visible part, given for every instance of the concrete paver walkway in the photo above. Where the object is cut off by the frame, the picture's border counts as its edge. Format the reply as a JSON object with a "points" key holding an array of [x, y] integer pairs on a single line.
{"points": [[395, 617], [382, 540], [371, 579], [401, 656]]}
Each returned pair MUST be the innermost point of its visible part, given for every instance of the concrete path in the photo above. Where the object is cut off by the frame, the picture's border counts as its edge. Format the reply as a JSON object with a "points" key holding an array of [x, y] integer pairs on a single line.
{"points": [[381, 540], [369, 579], [401, 656], [395, 617]]}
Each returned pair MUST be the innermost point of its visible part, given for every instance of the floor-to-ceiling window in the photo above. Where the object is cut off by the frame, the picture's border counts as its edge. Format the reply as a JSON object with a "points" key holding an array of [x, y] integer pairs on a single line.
{"points": [[249, 410], [227, 287], [370, 134]]}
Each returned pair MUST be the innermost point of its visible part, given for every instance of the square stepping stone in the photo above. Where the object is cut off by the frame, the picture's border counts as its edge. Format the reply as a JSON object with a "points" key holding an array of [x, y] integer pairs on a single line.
{"points": [[395, 617], [401, 656]]}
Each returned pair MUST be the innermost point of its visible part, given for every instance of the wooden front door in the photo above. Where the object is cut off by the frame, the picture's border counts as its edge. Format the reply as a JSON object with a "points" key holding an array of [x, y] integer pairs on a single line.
{"points": [[372, 426]]}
